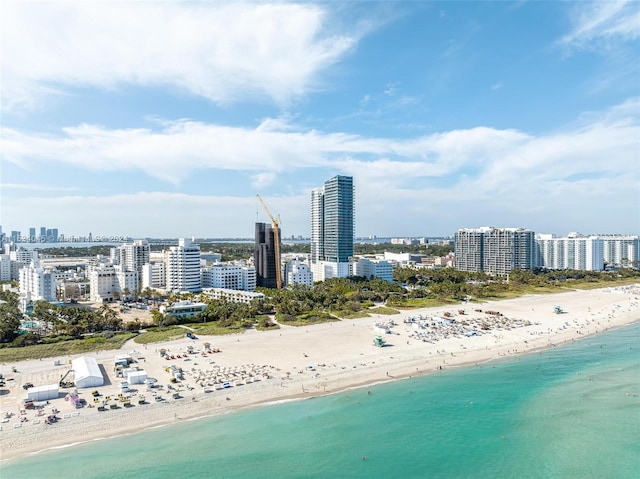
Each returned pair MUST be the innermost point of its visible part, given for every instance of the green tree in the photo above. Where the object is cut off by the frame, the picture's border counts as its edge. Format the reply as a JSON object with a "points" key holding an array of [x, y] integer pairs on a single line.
{"points": [[158, 318], [10, 317]]}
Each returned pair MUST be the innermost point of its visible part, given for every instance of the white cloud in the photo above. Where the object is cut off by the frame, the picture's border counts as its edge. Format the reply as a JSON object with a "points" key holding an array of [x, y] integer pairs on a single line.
{"points": [[261, 180], [391, 89], [36, 187], [224, 51], [182, 147], [365, 100], [476, 174], [597, 23]]}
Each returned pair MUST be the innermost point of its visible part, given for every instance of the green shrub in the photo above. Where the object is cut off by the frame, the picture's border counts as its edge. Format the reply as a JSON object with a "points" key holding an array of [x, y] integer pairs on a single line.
{"points": [[27, 339], [56, 338]]}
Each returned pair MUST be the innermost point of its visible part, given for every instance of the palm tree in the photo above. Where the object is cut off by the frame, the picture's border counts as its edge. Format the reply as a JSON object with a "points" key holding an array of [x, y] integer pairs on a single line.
{"points": [[146, 293], [158, 318]]}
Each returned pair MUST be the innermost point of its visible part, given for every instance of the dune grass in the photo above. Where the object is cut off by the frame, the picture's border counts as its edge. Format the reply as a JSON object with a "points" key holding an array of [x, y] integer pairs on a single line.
{"points": [[383, 310], [306, 319], [63, 348]]}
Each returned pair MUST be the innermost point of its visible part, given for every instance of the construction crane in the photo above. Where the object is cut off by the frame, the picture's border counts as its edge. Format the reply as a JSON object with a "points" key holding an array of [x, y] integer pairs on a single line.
{"points": [[275, 225]]}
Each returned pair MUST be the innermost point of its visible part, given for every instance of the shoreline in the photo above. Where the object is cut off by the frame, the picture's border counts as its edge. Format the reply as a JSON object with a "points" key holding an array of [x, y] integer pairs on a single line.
{"points": [[341, 357]]}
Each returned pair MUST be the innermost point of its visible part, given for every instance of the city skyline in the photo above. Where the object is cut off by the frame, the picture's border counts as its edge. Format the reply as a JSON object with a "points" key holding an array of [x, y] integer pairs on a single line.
{"points": [[446, 115]]}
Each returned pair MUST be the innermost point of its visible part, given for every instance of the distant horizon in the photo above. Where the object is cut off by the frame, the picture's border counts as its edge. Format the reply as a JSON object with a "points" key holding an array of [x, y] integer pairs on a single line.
{"points": [[371, 239]]}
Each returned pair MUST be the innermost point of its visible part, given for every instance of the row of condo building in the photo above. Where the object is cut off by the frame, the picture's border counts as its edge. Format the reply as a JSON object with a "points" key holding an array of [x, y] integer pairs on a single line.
{"points": [[132, 267], [499, 250], [185, 268]]}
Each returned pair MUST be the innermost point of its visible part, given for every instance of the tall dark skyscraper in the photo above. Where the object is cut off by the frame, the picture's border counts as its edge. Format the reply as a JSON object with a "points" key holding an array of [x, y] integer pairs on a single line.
{"points": [[265, 256], [332, 228]]}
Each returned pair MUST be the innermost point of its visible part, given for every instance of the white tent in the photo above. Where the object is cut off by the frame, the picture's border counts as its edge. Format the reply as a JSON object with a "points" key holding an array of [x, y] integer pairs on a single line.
{"points": [[87, 372], [43, 393]]}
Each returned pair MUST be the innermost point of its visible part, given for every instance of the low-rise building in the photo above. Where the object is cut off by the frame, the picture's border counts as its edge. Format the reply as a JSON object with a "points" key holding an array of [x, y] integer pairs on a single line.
{"points": [[232, 295], [374, 268], [323, 270], [298, 272], [236, 276], [108, 282], [183, 309]]}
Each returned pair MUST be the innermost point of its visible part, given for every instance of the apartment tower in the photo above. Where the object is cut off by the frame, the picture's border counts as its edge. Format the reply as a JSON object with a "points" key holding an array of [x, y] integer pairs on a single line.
{"points": [[494, 250], [332, 228], [182, 265]]}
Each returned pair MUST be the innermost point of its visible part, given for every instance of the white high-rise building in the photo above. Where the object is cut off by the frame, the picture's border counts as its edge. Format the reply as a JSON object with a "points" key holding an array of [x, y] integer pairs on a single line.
{"points": [[332, 228], [19, 258], [621, 250], [154, 275], [136, 255], [36, 283], [589, 253], [577, 252], [183, 267], [132, 257]]}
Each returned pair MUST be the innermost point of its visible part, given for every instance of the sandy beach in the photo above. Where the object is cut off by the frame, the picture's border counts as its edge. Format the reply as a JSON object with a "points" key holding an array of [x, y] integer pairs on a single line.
{"points": [[263, 367]]}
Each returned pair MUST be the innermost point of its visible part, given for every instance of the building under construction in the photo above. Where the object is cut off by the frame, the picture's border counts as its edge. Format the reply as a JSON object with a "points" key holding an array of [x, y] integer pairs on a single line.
{"points": [[265, 256]]}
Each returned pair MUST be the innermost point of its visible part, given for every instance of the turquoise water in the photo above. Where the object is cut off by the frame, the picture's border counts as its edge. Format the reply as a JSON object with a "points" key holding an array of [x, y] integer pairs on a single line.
{"points": [[568, 412]]}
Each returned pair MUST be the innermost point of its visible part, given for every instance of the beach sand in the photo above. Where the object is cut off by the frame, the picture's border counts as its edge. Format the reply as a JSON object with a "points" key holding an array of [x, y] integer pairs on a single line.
{"points": [[299, 362]]}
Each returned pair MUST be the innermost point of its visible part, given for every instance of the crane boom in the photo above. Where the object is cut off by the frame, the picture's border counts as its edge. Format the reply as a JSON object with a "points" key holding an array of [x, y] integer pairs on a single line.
{"points": [[275, 225]]}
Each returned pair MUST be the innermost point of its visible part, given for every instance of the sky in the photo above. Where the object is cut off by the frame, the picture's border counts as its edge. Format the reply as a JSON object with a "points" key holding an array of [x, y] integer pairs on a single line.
{"points": [[166, 119]]}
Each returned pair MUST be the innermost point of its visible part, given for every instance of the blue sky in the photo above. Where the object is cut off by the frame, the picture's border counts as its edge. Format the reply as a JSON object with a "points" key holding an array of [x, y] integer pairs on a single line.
{"points": [[166, 119]]}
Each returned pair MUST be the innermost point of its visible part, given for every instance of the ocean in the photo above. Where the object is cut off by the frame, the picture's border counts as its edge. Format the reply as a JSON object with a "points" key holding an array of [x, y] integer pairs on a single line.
{"points": [[569, 412]]}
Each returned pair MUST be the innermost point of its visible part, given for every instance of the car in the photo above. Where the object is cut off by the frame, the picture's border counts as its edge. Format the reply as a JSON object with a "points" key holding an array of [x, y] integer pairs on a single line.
{"points": [[26, 386]]}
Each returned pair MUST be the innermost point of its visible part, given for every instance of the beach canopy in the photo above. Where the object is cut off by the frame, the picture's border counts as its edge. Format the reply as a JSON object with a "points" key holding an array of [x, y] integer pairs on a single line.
{"points": [[87, 372]]}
